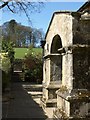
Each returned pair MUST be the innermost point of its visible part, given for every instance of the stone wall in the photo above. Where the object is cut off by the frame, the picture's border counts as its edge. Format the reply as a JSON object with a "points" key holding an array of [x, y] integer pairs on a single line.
{"points": [[81, 31], [81, 68]]}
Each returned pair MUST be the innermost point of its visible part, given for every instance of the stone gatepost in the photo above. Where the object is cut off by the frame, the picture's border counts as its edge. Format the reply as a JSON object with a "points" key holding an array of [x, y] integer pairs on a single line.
{"points": [[73, 97]]}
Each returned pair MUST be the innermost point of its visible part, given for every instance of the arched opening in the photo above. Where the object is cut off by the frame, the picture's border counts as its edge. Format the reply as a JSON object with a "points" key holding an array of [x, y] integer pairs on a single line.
{"points": [[56, 44], [56, 60]]}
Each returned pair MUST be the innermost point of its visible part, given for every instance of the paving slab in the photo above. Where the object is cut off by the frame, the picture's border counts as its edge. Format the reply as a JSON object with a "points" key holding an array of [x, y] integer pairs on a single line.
{"points": [[22, 105]]}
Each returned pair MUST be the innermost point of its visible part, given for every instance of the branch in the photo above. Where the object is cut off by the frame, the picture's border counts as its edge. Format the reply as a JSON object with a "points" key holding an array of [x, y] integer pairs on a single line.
{"points": [[3, 5], [22, 7], [10, 9]]}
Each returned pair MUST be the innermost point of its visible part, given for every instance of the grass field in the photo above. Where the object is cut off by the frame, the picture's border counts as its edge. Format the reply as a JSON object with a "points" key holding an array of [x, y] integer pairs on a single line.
{"points": [[21, 52]]}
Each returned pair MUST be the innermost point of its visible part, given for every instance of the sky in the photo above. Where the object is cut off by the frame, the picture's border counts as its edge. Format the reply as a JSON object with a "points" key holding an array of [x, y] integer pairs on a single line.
{"points": [[40, 20]]}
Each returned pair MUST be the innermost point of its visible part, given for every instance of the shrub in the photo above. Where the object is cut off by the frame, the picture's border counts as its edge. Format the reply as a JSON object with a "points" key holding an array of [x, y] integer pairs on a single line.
{"points": [[5, 69], [33, 67]]}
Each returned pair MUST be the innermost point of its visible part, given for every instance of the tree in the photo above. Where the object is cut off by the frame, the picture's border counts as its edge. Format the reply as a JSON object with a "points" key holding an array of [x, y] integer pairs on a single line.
{"points": [[37, 36], [8, 47], [7, 58], [15, 32], [21, 35], [17, 6], [8, 30]]}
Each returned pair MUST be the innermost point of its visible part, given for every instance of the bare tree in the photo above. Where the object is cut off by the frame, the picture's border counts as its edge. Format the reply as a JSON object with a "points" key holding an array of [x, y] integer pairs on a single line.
{"points": [[18, 6]]}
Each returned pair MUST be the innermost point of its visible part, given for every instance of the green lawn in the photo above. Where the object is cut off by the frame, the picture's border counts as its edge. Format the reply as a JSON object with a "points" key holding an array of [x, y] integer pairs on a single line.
{"points": [[21, 52]]}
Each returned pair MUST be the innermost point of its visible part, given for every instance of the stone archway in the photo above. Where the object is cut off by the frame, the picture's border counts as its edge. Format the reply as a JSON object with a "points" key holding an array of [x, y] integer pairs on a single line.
{"points": [[52, 73], [56, 44], [56, 60]]}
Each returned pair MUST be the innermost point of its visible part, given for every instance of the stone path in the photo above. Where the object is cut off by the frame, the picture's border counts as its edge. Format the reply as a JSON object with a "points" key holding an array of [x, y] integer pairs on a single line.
{"points": [[23, 103]]}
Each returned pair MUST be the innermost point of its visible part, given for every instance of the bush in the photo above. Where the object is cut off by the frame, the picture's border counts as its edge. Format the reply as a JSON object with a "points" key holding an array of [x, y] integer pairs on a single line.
{"points": [[5, 68], [6, 63], [33, 67]]}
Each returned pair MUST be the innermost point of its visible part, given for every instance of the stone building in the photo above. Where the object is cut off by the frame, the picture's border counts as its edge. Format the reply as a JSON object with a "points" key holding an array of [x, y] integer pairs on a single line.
{"points": [[66, 65]]}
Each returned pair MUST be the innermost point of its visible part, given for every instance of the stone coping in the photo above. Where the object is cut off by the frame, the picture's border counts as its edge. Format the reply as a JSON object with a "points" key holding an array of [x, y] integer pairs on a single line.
{"points": [[48, 100], [81, 95], [51, 55], [52, 85], [85, 17], [29, 85], [34, 93], [69, 49], [17, 71], [73, 13], [74, 48], [51, 100]]}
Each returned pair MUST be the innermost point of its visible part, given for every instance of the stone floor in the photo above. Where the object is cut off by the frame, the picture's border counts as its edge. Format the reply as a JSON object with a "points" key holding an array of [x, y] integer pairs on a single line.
{"points": [[24, 102]]}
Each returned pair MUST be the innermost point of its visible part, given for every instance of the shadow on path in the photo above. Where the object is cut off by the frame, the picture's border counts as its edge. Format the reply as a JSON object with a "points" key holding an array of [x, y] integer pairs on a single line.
{"points": [[22, 105]]}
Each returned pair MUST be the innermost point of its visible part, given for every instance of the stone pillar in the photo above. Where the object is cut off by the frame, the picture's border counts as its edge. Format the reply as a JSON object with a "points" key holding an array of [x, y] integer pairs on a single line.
{"points": [[67, 70]]}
